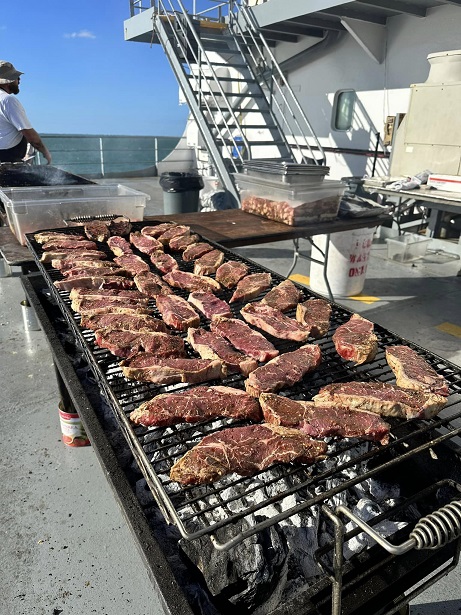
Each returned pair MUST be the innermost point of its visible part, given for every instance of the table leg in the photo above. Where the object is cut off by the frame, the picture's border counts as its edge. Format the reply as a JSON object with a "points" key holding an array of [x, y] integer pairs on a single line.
{"points": [[295, 256]]}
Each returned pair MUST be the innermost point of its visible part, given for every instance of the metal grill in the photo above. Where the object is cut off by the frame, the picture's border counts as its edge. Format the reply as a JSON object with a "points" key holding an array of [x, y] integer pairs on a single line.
{"points": [[222, 509]]}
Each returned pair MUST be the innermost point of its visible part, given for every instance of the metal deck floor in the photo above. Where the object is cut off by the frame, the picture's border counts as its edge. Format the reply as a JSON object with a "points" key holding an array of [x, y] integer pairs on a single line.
{"points": [[65, 547]]}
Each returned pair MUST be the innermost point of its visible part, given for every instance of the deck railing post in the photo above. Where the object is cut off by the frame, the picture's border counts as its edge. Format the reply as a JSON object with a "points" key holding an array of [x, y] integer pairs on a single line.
{"points": [[101, 156]]}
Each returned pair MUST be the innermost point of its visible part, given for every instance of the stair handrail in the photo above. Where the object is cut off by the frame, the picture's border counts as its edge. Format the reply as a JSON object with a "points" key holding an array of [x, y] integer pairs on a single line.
{"points": [[254, 31]]}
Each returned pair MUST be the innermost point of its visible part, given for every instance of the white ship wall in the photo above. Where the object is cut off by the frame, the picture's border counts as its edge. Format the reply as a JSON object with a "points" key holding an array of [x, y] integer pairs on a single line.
{"points": [[382, 89]]}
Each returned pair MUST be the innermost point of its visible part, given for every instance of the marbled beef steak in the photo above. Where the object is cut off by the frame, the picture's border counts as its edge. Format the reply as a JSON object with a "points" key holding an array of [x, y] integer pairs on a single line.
{"points": [[190, 281], [210, 345], [134, 264], [46, 236], [127, 322], [163, 262], [314, 314], [355, 340], [246, 451], [177, 312], [208, 304], [97, 230], [127, 344], [209, 262], [251, 286], [147, 367], [412, 372], [244, 338], [285, 296], [144, 243], [230, 272], [274, 322], [201, 403], [119, 245], [151, 284]]}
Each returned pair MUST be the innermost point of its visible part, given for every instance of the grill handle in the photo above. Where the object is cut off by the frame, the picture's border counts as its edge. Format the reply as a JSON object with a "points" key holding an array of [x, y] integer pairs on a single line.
{"points": [[431, 532]]}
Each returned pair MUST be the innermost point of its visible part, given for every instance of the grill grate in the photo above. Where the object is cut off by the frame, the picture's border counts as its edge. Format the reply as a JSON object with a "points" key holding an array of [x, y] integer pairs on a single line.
{"points": [[284, 490]]}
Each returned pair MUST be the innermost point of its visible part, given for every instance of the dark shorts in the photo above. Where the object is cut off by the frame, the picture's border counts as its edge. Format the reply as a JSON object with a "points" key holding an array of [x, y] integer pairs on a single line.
{"points": [[14, 154]]}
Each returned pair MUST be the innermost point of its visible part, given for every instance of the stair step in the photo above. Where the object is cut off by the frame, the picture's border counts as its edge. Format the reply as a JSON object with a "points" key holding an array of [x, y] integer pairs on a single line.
{"points": [[226, 79], [246, 126], [235, 109]]}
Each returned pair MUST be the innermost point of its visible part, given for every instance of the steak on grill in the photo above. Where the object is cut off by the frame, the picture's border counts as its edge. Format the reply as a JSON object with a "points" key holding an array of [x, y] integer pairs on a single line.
{"points": [[196, 250], [355, 340], [147, 367], [285, 370], [323, 421], [97, 230], [230, 272], [180, 243], [314, 314], [196, 405], [246, 451], [151, 285], [381, 398], [163, 262], [285, 296], [211, 345], [127, 344], [134, 264], [46, 236], [176, 312], [95, 282], [66, 264], [191, 281], [251, 286], [87, 304], [244, 338], [119, 245], [99, 293], [79, 272], [157, 230], [69, 244], [127, 322], [120, 226], [178, 230], [209, 262], [208, 304], [412, 372], [144, 243], [67, 255], [274, 322]]}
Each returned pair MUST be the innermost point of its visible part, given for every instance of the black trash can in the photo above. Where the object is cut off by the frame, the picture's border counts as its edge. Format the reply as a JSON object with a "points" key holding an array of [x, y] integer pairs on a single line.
{"points": [[180, 192]]}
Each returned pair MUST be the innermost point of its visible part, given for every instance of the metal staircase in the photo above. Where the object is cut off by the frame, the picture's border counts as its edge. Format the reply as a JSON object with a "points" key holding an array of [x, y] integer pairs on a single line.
{"points": [[240, 99]]}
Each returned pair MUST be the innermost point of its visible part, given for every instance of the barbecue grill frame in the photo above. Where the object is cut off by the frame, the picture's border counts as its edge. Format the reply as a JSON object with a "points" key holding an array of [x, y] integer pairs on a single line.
{"points": [[171, 593]]}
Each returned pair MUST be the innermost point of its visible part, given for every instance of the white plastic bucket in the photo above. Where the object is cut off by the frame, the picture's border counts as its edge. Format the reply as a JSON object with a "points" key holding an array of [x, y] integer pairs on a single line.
{"points": [[348, 257]]}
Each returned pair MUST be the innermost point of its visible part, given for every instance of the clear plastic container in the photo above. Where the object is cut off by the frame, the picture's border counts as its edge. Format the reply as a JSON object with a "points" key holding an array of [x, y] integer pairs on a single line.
{"points": [[45, 207], [407, 248], [293, 205]]}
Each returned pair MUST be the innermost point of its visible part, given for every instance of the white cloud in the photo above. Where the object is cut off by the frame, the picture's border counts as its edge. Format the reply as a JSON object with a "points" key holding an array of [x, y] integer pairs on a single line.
{"points": [[80, 34]]}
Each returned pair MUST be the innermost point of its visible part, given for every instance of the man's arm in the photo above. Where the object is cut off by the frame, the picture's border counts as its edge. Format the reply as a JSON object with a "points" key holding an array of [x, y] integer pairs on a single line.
{"points": [[34, 139]]}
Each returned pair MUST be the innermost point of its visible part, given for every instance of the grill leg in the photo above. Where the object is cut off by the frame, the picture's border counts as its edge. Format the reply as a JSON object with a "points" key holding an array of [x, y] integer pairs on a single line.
{"points": [[337, 579]]}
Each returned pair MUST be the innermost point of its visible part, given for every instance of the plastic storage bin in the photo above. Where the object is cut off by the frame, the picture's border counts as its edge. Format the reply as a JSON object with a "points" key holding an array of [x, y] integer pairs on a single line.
{"points": [[293, 205], [45, 207], [407, 248]]}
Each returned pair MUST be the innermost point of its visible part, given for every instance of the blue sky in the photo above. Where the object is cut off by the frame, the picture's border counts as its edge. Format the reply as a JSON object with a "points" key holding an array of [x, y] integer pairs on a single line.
{"points": [[81, 76]]}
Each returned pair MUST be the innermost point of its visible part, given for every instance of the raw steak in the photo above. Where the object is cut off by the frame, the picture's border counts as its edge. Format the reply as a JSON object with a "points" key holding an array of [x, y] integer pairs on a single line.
{"points": [[323, 422], [127, 322], [246, 451], [156, 231], [283, 371], [209, 305], [95, 282], [134, 264], [274, 322], [196, 250], [174, 231], [65, 255], [120, 226], [100, 307], [85, 303], [69, 244], [127, 344], [283, 297], [164, 262], [97, 230], [244, 338], [314, 314], [146, 367], [230, 272], [210, 345], [176, 312], [64, 265], [144, 243], [98, 293], [191, 281], [180, 243], [46, 236], [79, 272], [196, 405], [412, 372], [355, 340], [208, 263], [251, 286], [381, 398], [119, 245], [151, 285]]}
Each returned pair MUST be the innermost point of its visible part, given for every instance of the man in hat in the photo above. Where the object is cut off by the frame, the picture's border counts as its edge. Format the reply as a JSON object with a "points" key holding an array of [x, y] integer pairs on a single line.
{"points": [[15, 128]]}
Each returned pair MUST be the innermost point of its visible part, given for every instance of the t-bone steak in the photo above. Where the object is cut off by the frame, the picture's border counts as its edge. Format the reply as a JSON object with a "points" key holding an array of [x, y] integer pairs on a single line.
{"points": [[412, 372], [210, 345], [195, 405], [355, 340], [251, 286], [314, 314], [274, 322], [246, 451], [177, 312], [284, 371], [284, 297], [323, 421], [244, 338], [147, 367], [381, 398]]}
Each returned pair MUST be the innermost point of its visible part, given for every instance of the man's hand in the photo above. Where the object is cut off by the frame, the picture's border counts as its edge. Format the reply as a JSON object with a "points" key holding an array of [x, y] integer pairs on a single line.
{"points": [[34, 139]]}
